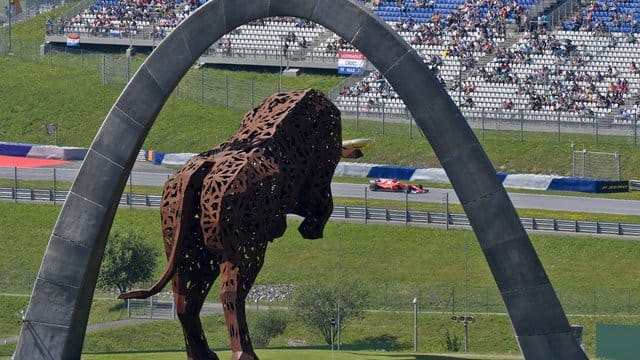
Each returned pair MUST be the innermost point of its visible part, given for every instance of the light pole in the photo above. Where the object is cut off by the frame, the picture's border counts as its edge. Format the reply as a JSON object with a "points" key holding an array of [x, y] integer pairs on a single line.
{"points": [[415, 325], [465, 321], [9, 13], [282, 39], [333, 323]]}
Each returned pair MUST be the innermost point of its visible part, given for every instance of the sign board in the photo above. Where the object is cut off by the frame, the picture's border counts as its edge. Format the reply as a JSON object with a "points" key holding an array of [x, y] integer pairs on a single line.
{"points": [[618, 342], [73, 40], [350, 62]]}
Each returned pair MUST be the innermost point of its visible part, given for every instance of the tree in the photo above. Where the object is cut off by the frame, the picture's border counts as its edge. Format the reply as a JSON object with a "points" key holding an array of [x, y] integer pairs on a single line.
{"points": [[265, 325], [317, 304], [127, 260]]}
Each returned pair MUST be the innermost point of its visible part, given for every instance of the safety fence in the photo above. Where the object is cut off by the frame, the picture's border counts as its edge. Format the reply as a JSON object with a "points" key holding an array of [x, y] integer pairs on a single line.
{"points": [[365, 214], [445, 299]]}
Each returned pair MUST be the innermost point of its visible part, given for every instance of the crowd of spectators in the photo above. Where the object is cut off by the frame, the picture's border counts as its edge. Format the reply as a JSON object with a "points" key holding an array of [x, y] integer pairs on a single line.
{"points": [[472, 29], [567, 88], [126, 17], [603, 17]]}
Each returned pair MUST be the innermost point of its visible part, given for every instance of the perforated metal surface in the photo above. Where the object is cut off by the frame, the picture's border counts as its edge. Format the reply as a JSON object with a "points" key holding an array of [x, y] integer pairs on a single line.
{"points": [[223, 207]]}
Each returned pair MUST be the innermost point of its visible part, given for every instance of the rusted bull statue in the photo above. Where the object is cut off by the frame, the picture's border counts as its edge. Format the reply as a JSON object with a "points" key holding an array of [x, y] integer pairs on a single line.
{"points": [[223, 207]]}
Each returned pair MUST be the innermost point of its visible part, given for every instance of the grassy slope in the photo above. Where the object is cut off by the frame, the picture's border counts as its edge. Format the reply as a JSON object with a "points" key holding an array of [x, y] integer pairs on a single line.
{"points": [[394, 254], [395, 263]]}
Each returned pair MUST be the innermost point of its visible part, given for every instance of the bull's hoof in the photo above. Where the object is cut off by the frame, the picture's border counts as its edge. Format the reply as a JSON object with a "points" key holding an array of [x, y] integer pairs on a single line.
{"points": [[241, 355], [310, 231]]}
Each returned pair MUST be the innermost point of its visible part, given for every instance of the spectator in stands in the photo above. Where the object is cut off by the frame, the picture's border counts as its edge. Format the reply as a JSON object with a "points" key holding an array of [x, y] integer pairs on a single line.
{"points": [[61, 26], [303, 43], [507, 104], [227, 47], [371, 104], [631, 38], [468, 102], [49, 26]]}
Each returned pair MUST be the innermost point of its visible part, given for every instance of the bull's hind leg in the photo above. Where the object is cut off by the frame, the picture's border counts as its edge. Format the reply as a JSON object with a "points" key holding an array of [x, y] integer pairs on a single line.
{"points": [[236, 283], [191, 284]]}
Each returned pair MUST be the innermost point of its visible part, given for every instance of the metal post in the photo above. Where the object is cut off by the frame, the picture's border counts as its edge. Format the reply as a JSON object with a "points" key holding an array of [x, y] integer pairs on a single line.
{"points": [[128, 308], [357, 112], [558, 118], [584, 162], [483, 114], [281, 60], [226, 90], [635, 130], [9, 16], [521, 126], [406, 207], [617, 155], [15, 183], [338, 325], [131, 190], [202, 84], [128, 68], [466, 335], [415, 325], [54, 186], [596, 125], [366, 209], [460, 83], [104, 70], [252, 90], [629, 302], [383, 114], [410, 124], [446, 210], [333, 323]]}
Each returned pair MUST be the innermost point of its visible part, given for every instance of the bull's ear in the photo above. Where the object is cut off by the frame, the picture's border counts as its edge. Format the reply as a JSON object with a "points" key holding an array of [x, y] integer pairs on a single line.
{"points": [[351, 153]]}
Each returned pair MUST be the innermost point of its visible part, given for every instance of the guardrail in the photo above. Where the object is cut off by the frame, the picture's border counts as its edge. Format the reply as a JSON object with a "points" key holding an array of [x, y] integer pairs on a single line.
{"points": [[365, 214]]}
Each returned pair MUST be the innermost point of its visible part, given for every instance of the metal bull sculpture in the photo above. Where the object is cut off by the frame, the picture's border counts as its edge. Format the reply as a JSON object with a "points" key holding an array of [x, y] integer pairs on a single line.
{"points": [[223, 207]]}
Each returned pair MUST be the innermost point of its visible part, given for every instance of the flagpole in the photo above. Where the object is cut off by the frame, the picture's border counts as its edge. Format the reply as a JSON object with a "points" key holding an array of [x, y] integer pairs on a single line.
{"points": [[9, 15]]}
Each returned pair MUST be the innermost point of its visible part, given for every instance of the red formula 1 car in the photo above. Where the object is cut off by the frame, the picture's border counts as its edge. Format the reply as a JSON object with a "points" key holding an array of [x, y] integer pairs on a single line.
{"points": [[395, 186]]}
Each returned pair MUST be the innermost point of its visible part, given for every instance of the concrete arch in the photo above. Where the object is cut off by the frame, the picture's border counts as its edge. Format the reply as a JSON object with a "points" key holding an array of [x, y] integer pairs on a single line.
{"points": [[57, 315]]}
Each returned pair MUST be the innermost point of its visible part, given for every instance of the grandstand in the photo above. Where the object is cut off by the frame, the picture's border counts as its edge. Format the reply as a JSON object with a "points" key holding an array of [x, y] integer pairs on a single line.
{"points": [[496, 58]]}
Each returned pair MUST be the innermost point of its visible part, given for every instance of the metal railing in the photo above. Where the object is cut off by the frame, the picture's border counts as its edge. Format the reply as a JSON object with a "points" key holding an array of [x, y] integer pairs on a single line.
{"points": [[365, 214]]}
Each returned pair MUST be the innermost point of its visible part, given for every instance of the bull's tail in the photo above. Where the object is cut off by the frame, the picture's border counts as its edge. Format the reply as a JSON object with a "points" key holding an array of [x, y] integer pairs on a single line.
{"points": [[191, 180]]}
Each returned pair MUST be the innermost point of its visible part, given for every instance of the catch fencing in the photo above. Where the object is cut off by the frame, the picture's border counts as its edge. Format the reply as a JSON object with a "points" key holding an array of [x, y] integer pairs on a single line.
{"points": [[445, 299], [202, 86], [364, 214]]}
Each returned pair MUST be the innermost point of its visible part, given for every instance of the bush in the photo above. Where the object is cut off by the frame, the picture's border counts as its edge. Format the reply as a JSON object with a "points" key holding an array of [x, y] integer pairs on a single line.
{"points": [[450, 343], [265, 325]]}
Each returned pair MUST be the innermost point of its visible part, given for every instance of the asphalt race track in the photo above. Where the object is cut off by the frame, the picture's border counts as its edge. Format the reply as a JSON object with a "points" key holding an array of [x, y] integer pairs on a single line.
{"points": [[152, 175]]}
